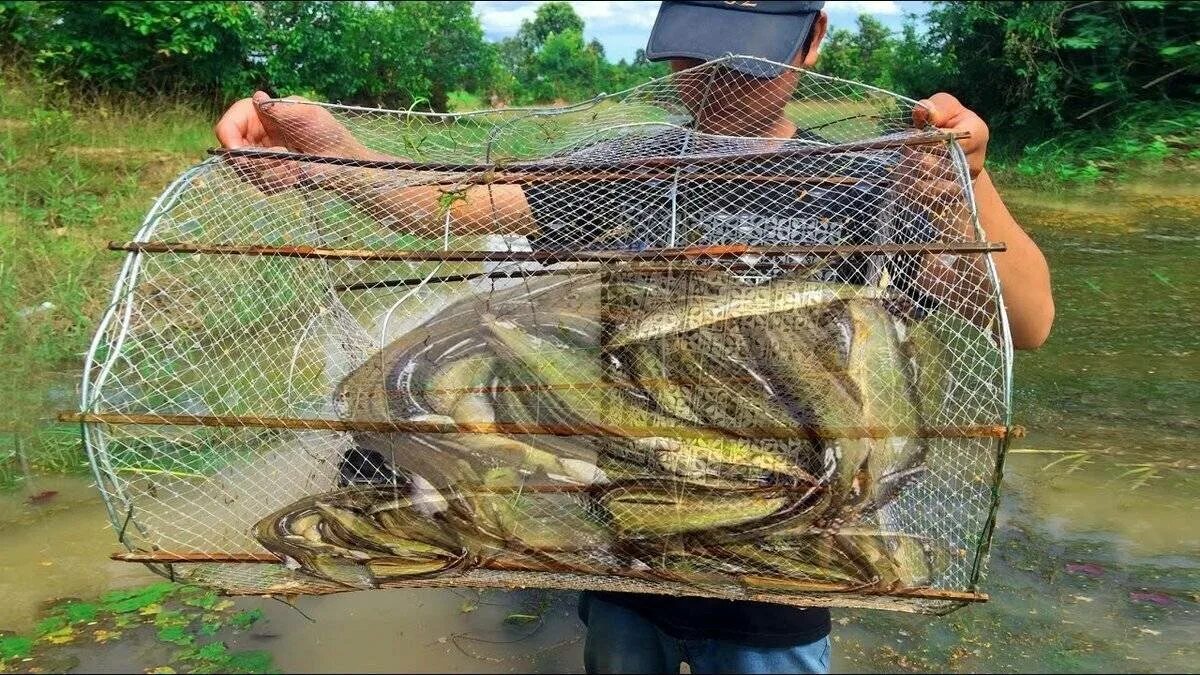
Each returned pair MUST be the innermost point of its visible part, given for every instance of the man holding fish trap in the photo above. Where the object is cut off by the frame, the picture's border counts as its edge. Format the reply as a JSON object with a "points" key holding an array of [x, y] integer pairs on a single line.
{"points": [[632, 632]]}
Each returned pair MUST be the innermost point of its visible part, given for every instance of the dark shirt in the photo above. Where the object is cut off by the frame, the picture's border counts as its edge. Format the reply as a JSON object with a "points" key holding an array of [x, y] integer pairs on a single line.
{"points": [[758, 624]]}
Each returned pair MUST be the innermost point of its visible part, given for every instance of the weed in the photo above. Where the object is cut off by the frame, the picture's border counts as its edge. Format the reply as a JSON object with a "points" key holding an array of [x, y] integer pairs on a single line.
{"points": [[73, 174]]}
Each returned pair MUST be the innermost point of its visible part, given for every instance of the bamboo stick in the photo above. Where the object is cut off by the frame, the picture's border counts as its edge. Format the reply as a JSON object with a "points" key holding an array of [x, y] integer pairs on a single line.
{"points": [[568, 271], [509, 428], [716, 252], [531, 566]]}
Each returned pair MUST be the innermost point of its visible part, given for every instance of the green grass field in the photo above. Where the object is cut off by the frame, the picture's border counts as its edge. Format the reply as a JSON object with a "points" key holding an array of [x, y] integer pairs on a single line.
{"points": [[73, 175]]}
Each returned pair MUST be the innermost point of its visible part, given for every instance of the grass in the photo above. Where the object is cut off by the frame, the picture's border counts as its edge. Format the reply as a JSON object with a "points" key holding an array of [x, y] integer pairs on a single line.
{"points": [[1147, 138], [73, 175]]}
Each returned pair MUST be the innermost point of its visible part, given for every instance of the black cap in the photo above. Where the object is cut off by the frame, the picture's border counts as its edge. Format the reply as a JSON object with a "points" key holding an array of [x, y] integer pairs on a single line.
{"points": [[775, 31]]}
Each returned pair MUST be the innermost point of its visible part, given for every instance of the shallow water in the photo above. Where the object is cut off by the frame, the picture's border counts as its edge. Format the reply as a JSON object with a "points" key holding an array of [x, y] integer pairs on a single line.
{"points": [[1096, 559]]}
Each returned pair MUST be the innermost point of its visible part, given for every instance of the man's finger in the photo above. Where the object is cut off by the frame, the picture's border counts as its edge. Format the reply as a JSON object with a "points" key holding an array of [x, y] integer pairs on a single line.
{"points": [[233, 126], [924, 114]]}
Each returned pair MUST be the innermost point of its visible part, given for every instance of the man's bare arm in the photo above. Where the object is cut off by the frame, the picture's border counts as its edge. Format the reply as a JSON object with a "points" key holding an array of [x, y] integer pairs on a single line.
{"points": [[428, 210], [1022, 269]]}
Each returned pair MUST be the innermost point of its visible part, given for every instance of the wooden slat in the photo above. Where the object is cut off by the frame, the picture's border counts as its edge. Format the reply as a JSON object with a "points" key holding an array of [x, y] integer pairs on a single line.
{"points": [[612, 256], [760, 584], [509, 428]]}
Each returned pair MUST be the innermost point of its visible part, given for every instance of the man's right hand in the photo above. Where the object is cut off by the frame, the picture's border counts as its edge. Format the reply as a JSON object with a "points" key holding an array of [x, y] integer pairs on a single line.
{"points": [[260, 123]]}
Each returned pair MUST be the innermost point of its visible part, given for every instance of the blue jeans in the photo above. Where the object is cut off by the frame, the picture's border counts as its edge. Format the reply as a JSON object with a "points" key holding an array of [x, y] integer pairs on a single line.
{"points": [[620, 640]]}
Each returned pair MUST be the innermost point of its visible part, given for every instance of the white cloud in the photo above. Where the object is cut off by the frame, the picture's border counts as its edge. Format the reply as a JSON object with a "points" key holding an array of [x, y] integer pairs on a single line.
{"points": [[856, 7], [623, 27], [504, 18]]}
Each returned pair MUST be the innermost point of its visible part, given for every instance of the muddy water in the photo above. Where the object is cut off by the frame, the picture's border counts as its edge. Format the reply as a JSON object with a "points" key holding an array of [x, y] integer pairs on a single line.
{"points": [[56, 547], [1096, 559]]}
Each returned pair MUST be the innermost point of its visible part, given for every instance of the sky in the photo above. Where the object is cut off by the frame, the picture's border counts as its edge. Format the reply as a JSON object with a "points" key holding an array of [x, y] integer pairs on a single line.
{"points": [[623, 27]]}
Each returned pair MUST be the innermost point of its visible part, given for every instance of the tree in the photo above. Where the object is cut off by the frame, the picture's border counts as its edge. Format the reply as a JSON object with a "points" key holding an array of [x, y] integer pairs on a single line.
{"points": [[1033, 68], [551, 18], [197, 47], [873, 50], [565, 69], [839, 55], [391, 54]]}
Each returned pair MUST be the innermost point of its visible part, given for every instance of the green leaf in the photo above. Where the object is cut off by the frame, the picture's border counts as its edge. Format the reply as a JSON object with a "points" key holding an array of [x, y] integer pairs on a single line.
{"points": [[212, 651], [120, 602], [50, 624], [205, 601], [166, 619], [1079, 42], [250, 662], [15, 646], [175, 635], [245, 618], [61, 636], [80, 611]]}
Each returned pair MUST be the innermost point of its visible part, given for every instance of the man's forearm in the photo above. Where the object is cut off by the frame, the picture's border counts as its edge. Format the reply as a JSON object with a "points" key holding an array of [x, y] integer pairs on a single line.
{"points": [[428, 209], [1024, 275]]}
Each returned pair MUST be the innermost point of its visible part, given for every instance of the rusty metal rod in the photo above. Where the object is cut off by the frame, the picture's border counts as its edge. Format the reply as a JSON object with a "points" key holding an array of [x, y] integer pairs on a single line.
{"points": [[512, 428], [530, 566], [557, 167], [716, 252], [569, 271]]}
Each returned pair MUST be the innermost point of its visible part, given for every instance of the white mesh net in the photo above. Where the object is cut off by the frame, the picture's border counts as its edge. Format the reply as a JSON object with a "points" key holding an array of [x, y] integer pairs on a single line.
{"points": [[714, 335]]}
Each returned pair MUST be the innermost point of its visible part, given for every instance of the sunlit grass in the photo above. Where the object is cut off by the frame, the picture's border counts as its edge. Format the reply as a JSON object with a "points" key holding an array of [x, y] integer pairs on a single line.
{"points": [[73, 175]]}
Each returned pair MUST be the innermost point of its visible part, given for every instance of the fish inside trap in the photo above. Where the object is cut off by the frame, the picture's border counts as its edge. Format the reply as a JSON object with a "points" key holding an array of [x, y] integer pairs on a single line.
{"points": [[593, 348]]}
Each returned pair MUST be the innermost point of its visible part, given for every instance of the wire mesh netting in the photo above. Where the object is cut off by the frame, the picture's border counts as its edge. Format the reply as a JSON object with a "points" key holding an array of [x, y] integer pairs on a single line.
{"points": [[713, 335]]}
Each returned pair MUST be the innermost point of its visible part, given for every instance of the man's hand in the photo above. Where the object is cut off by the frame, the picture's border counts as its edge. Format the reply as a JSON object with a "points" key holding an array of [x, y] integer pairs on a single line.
{"points": [[260, 123], [946, 113]]}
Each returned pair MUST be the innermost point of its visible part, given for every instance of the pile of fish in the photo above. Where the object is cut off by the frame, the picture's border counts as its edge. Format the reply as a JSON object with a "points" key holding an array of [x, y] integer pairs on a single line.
{"points": [[684, 427]]}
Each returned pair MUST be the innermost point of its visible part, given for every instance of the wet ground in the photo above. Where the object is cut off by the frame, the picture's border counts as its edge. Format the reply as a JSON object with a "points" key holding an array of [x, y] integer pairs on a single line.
{"points": [[1096, 558]]}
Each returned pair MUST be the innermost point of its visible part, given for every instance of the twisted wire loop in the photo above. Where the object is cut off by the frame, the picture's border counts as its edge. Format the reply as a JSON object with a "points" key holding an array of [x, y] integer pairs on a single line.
{"points": [[629, 344]]}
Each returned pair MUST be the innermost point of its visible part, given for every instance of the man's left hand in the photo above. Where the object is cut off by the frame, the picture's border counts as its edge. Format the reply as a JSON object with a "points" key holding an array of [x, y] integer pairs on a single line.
{"points": [[946, 113]]}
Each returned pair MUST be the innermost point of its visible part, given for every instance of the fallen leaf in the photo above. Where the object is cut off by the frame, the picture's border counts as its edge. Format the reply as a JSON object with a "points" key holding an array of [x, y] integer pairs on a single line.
{"points": [[101, 635], [61, 636], [1160, 599], [1090, 569]]}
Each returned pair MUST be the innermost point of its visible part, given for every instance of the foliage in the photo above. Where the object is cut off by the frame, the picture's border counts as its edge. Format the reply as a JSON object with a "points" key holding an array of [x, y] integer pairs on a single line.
{"points": [[548, 60], [1063, 85], [193, 619], [1059, 65], [74, 173], [391, 54], [201, 47]]}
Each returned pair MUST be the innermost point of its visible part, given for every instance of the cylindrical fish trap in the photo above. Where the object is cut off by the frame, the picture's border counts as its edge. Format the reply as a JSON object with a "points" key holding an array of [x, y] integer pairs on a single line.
{"points": [[627, 344]]}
